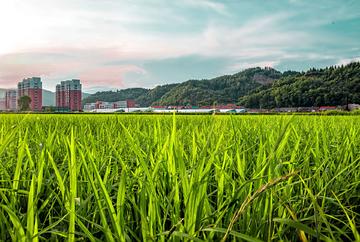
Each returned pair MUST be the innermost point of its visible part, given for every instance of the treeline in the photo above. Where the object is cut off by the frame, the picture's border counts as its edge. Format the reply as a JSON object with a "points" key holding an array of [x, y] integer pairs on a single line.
{"points": [[316, 87], [114, 96], [222, 90], [148, 98]]}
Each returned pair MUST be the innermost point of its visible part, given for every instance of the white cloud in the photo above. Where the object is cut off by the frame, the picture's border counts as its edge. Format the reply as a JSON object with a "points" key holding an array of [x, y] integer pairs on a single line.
{"points": [[347, 61]]}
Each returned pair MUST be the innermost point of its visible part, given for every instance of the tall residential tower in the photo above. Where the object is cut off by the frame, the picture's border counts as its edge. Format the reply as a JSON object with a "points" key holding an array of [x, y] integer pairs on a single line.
{"points": [[33, 88], [10, 99], [68, 94]]}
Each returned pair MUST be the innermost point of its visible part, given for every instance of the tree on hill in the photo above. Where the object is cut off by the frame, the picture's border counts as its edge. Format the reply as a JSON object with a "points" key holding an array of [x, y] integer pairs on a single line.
{"points": [[322, 87], [24, 102], [155, 94], [223, 89], [114, 96]]}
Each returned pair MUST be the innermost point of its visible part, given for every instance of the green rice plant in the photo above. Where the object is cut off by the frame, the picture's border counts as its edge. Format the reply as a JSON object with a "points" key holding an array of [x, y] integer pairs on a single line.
{"points": [[179, 177]]}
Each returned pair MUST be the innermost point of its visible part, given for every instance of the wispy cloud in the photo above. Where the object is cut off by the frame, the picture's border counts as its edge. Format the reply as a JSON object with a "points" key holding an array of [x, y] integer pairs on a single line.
{"points": [[107, 75]]}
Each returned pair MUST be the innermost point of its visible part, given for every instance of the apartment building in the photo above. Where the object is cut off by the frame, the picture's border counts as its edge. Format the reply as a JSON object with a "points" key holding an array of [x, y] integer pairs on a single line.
{"points": [[2, 103], [121, 104], [130, 103], [11, 100], [68, 94], [31, 87]]}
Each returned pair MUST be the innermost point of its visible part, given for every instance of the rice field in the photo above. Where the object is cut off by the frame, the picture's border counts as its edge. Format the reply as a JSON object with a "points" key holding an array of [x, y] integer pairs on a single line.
{"points": [[179, 178]]}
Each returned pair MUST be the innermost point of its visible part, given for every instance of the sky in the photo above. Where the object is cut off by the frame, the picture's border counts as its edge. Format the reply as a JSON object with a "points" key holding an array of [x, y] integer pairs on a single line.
{"points": [[116, 44]]}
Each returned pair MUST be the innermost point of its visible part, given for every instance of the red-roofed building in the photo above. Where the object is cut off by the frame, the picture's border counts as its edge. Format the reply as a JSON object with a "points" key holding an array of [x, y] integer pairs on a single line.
{"points": [[325, 108], [174, 106], [157, 107]]}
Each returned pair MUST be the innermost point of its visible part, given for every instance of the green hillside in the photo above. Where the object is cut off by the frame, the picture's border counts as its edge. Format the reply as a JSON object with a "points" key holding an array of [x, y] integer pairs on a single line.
{"points": [[316, 87], [155, 94], [113, 96], [224, 89]]}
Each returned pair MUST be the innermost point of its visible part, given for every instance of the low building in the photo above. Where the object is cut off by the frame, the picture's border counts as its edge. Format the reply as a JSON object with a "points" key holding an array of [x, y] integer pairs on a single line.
{"points": [[130, 103], [152, 108], [353, 107], [286, 110], [328, 108], [106, 105], [315, 109], [174, 107], [121, 104], [110, 105], [89, 106]]}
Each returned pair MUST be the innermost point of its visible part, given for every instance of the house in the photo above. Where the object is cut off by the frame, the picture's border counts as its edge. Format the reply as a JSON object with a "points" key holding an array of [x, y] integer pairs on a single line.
{"points": [[353, 107], [175, 107], [304, 109], [328, 108], [286, 110], [315, 109], [157, 108]]}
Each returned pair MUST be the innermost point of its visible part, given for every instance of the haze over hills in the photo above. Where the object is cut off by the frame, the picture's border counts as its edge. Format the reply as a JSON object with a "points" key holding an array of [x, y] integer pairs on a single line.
{"points": [[48, 97]]}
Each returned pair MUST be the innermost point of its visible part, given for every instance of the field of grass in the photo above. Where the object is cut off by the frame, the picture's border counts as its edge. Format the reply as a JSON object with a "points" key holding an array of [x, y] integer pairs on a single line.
{"points": [[179, 178]]}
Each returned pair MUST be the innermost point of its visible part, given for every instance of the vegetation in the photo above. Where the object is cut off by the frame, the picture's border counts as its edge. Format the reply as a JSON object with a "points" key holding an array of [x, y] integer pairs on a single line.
{"points": [[179, 178], [316, 87], [24, 102], [224, 89], [50, 109], [114, 96], [150, 97]]}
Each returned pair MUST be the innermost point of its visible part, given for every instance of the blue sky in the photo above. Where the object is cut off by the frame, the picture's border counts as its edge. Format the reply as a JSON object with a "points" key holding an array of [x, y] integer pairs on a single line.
{"points": [[120, 44]]}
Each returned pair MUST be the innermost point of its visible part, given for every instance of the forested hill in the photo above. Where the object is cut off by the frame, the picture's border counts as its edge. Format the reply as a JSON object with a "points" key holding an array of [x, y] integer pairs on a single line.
{"points": [[224, 89], [316, 87], [153, 95], [114, 96]]}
